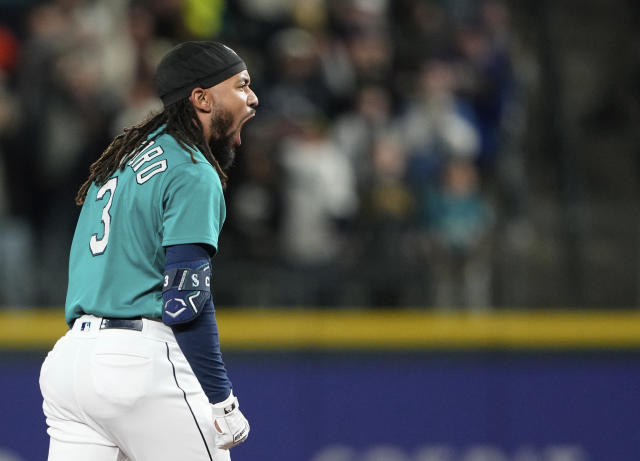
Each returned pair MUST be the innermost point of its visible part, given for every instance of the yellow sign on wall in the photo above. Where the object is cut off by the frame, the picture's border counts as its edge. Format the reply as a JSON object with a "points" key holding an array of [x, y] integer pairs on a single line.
{"points": [[269, 329]]}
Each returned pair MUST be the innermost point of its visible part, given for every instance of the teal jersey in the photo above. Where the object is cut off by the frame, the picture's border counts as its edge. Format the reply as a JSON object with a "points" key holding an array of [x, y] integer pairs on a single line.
{"points": [[117, 259]]}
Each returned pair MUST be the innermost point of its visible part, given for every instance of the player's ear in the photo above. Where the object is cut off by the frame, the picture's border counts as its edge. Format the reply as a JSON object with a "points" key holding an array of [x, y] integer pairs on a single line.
{"points": [[201, 100]]}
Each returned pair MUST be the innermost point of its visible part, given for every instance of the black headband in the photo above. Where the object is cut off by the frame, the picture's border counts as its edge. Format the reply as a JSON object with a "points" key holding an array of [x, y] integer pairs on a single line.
{"points": [[194, 64]]}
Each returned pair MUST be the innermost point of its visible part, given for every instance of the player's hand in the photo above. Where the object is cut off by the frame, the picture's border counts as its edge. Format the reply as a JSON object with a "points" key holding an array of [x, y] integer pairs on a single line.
{"points": [[231, 427]]}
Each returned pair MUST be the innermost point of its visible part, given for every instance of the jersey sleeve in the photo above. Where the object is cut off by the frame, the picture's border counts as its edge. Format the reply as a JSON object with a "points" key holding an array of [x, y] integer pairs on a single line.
{"points": [[193, 205]]}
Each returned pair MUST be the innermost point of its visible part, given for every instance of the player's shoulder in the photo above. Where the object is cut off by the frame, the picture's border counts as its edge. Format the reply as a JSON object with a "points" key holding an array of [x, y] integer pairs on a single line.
{"points": [[183, 172], [200, 172]]}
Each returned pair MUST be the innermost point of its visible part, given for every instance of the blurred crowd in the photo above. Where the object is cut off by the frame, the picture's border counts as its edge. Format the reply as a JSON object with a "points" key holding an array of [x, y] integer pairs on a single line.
{"points": [[384, 167]]}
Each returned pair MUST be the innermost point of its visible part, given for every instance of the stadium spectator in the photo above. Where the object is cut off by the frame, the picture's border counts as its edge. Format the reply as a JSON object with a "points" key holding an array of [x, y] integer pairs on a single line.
{"points": [[436, 126], [318, 198], [458, 220]]}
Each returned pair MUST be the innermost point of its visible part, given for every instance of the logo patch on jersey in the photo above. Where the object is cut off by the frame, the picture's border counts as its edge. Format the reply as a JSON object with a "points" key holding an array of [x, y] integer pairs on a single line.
{"points": [[85, 326]]}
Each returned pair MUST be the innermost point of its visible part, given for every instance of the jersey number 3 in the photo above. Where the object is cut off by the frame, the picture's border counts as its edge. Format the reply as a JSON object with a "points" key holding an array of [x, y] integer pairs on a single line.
{"points": [[98, 245]]}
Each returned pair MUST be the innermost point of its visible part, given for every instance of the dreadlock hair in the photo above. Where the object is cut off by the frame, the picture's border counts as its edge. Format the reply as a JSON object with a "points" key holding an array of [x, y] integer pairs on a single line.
{"points": [[180, 121]]}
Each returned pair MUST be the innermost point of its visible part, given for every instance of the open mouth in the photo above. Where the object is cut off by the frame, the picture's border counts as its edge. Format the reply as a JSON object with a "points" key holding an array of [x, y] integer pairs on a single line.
{"points": [[237, 138]]}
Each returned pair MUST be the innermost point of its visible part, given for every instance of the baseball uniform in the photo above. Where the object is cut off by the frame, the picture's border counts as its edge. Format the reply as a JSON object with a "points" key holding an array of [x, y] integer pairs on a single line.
{"points": [[117, 386]]}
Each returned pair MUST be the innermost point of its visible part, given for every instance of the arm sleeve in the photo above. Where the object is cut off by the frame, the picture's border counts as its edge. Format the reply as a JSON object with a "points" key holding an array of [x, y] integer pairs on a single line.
{"points": [[199, 340]]}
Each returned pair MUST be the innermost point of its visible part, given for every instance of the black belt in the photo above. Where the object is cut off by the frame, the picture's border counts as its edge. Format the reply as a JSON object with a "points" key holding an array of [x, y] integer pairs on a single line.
{"points": [[108, 323], [122, 324]]}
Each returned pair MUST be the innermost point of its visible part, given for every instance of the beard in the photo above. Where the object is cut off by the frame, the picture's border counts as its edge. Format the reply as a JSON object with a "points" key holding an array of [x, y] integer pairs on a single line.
{"points": [[221, 143]]}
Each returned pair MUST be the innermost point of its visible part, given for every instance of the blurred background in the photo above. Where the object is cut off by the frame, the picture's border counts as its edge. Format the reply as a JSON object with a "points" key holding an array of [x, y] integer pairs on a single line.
{"points": [[452, 154], [447, 159]]}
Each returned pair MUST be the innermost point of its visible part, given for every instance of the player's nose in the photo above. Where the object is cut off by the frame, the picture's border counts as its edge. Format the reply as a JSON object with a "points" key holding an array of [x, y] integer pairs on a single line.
{"points": [[252, 100]]}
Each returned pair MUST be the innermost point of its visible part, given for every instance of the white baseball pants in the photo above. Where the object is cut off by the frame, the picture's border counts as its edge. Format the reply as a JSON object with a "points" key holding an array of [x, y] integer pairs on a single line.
{"points": [[117, 395]]}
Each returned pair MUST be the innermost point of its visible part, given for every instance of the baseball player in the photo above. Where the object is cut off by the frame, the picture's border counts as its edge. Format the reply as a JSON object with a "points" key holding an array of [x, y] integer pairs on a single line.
{"points": [[139, 375]]}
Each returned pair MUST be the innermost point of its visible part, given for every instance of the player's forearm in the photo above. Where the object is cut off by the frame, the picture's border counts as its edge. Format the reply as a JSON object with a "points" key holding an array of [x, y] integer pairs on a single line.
{"points": [[198, 339], [199, 342]]}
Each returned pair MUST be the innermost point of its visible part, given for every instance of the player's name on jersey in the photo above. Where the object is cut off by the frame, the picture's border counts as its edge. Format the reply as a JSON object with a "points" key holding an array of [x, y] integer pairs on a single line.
{"points": [[145, 158]]}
